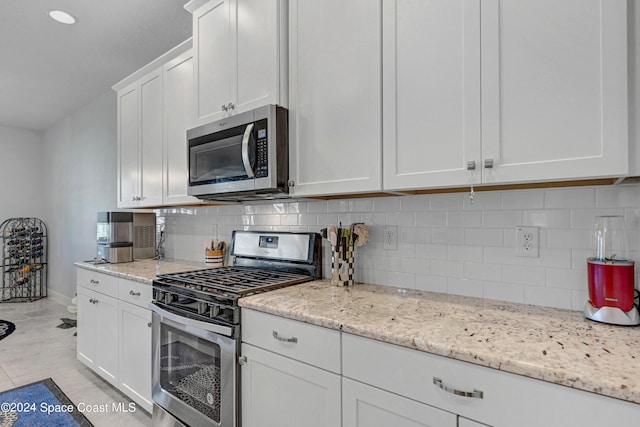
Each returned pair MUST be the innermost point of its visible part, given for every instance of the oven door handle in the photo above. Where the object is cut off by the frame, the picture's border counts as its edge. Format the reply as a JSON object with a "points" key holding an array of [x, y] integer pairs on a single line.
{"points": [[245, 151], [211, 327]]}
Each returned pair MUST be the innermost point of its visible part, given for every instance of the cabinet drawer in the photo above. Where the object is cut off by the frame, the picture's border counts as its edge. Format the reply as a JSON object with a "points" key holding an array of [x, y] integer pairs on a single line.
{"points": [[507, 399], [99, 282], [307, 343], [135, 293]]}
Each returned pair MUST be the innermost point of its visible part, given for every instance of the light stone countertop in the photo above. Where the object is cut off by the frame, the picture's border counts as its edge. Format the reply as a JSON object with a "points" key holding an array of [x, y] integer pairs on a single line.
{"points": [[143, 270], [554, 345]]}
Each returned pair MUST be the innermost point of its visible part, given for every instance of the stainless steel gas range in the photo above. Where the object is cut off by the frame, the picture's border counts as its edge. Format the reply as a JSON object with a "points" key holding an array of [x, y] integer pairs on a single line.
{"points": [[197, 328]]}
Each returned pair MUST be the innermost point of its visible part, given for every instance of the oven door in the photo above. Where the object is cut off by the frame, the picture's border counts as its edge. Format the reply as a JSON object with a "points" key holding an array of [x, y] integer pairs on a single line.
{"points": [[194, 372]]}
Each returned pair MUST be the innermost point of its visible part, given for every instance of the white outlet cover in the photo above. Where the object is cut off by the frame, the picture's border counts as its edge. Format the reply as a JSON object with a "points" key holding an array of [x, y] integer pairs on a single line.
{"points": [[527, 242], [390, 237]]}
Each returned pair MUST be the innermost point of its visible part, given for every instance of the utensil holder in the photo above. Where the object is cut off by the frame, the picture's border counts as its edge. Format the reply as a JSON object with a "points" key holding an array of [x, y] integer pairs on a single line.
{"points": [[341, 269], [214, 258]]}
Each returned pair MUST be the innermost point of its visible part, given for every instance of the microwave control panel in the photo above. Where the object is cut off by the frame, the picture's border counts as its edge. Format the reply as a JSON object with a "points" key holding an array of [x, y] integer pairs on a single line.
{"points": [[262, 152]]}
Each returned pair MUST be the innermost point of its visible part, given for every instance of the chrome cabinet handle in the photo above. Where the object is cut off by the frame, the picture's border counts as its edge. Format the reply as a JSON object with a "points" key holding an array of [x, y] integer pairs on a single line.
{"points": [[475, 393], [93, 301], [95, 282], [134, 294], [242, 360], [471, 165], [279, 338], [231, 106], [488, 163], [149, 324], [245, 151], [224, 107]]}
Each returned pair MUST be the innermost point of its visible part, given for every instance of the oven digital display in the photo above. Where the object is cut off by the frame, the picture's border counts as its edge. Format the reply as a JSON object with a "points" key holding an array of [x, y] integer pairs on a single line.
{"points": [[262, 133], [269, 242]]}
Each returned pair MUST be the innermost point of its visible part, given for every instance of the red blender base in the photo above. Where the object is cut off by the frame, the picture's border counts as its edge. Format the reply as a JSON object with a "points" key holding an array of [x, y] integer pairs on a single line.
{"points": [[612, 315]]}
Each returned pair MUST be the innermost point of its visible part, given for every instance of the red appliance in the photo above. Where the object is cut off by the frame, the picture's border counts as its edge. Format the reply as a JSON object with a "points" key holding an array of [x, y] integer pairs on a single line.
{"points": [[611, 275]]}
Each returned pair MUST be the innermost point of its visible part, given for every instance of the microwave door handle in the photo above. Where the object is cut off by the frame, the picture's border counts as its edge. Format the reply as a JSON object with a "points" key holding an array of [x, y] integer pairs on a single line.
{"points": [[245, 151]]}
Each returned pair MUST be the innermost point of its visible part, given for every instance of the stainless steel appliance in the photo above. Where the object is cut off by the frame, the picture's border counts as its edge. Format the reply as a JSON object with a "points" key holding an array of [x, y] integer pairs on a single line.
{"points": [[196, 325], [242, 157], [125, 236]]}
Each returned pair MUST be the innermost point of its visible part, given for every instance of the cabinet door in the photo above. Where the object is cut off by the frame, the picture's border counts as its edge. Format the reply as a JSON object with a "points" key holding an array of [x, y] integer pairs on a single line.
{"points": [[431, 81], [98, 333], [151, 140], [281, 392], [213, 65], [366, 406], [260, 40], [87, 327], [107, 338], [554, 89], [178, 117], [128, 160], [335, 129], [134, 324]]}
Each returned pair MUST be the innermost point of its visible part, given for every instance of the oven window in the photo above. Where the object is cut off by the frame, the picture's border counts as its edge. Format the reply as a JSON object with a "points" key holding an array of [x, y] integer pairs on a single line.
{"points": [[190, 370]]}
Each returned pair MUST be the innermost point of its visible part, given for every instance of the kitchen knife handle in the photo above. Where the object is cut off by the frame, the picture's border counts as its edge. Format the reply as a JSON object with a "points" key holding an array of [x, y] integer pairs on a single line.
{"points": [[478, 394]]}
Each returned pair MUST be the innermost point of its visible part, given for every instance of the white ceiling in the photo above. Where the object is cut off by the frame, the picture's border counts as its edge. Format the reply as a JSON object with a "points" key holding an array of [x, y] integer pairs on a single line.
{"points": [[48, 70]]}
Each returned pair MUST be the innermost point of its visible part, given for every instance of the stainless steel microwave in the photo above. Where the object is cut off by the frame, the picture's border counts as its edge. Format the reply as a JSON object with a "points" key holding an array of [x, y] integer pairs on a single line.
{"points": [[242, 157]]}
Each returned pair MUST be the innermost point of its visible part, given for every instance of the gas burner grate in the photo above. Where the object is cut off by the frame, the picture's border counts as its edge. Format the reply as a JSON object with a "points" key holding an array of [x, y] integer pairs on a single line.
{"points": [[236, 281]]}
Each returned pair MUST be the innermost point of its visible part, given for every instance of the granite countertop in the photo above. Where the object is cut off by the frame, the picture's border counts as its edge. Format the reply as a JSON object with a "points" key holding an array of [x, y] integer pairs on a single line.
{"points": [[143, 270], [554, 345]]}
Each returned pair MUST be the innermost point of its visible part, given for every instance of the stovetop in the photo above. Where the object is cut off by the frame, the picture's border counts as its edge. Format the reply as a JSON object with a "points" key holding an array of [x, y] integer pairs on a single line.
{"points": [[233, 282]]}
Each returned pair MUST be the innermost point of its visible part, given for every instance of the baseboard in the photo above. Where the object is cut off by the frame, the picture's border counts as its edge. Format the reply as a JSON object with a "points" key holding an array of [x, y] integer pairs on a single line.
{"points": [[58, 297]]}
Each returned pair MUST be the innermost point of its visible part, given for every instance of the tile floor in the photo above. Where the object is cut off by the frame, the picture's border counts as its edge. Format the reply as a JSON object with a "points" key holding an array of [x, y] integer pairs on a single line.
{"points": [[38, 349]]}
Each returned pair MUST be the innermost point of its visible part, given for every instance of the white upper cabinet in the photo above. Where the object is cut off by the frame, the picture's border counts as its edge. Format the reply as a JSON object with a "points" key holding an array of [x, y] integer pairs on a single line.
{"points": [[178, 117], [140, 142], [500, 92], [335, 128], [554, 89], [431, 69], [239, 56]]}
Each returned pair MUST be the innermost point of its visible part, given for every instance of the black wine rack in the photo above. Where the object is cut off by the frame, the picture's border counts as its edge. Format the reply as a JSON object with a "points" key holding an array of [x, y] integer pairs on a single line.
{"points": [[24, 260]]}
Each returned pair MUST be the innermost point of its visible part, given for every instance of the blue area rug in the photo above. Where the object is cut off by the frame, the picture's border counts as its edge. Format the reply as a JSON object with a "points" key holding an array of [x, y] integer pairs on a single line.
{"points": [[39, 404]]}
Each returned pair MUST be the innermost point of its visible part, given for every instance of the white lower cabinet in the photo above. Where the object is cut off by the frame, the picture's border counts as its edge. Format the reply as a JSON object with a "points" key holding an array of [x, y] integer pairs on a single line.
{"points": [[366, 406], [282, 392], [506, 399], [114, 332], [98, 333], [290, 373], [134, 349]]}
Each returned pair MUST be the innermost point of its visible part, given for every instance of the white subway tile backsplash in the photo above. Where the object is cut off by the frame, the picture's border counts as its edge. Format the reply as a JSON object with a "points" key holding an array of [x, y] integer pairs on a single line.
{"points": [[570, 199], [532, 199], [466, 287], [555, 218], [464, 219], [446, 202], [525, 275], [483, 237], [445, 243], [618, 196], [482, 271]]}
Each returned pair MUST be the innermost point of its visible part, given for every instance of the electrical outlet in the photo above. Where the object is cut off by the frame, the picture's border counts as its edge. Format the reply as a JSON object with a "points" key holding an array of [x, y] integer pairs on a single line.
{"points": [[390, 237], [528, 242]]}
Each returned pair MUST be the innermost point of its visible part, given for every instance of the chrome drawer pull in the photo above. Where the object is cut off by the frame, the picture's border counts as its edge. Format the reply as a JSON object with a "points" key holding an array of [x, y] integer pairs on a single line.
{"points": [[292, 339], [94, 281], [475, 393], [134, 294]]}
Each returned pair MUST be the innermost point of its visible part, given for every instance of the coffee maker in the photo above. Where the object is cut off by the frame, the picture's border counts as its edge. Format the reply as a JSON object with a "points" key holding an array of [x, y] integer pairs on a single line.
{"points": [[611, 276]]}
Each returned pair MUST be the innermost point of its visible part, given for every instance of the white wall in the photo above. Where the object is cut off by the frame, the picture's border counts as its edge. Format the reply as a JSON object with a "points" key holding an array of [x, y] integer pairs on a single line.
{"points": [[446, 244], [79, 179], [21, 186]]}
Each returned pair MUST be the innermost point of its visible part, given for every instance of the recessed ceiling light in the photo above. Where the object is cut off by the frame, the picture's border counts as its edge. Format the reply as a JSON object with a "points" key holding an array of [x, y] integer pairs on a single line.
{"points": [[62, 17]]}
